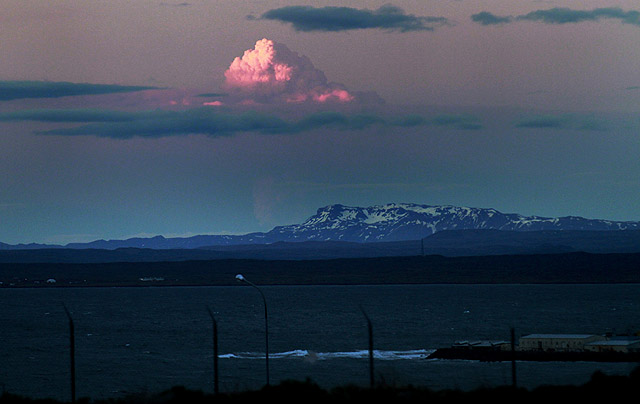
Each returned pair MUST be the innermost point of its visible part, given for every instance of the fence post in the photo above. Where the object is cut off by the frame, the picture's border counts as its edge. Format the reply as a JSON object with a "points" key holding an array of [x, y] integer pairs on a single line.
{"points": [[370, 329], [513, 358], [215, 351], [72, 354]]}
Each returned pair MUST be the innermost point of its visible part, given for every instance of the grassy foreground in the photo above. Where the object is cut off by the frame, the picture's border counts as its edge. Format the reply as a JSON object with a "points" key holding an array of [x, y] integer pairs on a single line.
{"points": [[600, 388]]}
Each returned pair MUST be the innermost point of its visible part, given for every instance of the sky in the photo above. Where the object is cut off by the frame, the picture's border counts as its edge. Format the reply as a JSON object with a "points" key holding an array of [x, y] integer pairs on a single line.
{"points": [[121, 119]]}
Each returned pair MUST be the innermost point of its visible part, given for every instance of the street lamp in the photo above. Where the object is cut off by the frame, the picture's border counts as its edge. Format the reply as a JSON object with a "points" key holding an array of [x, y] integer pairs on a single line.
{"points": [[241, 278]]}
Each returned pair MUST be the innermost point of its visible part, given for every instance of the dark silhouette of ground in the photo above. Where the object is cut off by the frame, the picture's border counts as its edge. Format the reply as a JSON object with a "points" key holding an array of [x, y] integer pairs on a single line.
{"points": [[600, 388]]}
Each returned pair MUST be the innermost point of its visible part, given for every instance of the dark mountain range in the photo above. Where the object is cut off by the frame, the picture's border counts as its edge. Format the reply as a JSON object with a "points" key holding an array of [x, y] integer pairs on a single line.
{"points": [[383, 223], [450, 243]]}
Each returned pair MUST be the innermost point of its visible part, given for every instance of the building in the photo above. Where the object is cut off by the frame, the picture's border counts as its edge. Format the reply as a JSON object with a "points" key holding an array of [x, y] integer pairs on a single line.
{"points": [[558, 342], [616, 344]]}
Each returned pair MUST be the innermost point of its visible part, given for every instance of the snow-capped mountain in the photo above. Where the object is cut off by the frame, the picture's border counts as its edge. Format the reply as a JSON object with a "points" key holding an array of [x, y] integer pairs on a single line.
{"points": [[381, 223], [406, 221]]}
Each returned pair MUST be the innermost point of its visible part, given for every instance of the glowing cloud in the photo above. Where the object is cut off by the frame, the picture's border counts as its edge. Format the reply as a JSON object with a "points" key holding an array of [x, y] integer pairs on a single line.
{"points": [[271, 72]]}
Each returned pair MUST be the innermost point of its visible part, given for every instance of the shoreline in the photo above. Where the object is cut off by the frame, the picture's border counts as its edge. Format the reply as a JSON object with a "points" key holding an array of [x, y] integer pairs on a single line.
{"points": [[569, 268], [494, 355], [88, 286]]}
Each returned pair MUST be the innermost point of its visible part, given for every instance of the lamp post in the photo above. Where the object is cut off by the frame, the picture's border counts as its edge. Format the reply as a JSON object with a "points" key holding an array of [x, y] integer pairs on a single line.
{"points": [[241, 278]]}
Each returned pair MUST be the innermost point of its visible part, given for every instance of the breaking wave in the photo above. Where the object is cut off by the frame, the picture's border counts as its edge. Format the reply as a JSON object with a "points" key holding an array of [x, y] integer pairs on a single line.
{"points": [[312, 355]]}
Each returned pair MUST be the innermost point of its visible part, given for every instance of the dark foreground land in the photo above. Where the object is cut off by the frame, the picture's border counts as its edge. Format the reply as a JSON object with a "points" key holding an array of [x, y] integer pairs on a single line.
{"points": [[601, 388], [576, 267]]}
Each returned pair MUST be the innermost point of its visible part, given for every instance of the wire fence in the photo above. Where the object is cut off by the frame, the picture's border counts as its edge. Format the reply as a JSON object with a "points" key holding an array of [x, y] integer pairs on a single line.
{"points": [[105, 348], [245, 375]]}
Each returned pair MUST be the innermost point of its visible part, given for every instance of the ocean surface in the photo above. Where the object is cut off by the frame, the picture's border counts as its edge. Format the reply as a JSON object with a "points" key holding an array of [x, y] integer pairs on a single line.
{"points": [[138, 340]]}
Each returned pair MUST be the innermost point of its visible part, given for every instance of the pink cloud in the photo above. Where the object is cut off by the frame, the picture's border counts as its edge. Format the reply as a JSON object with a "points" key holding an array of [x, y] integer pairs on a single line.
{"points": [[335, 94], [271, 72], [257, 66]]}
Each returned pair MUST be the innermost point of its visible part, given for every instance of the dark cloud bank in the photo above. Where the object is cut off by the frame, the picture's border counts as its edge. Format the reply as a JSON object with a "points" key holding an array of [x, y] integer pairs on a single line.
{"points": [[388, 17], [565, 121], [561, 15], [207, 121], [14, 90]]}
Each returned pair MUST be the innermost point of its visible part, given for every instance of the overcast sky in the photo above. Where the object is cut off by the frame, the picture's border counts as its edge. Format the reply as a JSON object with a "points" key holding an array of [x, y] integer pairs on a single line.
{"points": [[121, 119]]}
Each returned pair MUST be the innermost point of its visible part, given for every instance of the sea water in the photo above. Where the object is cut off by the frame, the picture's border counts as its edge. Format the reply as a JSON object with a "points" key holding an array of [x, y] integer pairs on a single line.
{"points": [[137, 340]]}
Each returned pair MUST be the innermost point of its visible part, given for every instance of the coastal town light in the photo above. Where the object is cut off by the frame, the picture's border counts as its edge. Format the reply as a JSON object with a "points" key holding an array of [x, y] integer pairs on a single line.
{"points": [[241, 278]]}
